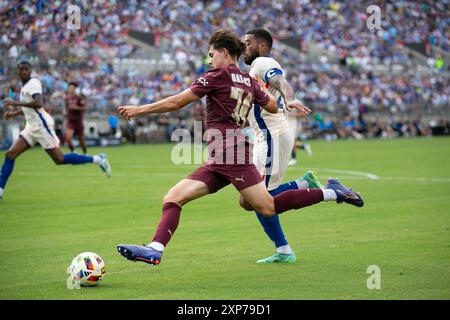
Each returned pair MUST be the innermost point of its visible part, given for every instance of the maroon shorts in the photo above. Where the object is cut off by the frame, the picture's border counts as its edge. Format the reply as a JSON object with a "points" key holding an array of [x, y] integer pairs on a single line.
{"points": [[76, 126], [217, 176]]}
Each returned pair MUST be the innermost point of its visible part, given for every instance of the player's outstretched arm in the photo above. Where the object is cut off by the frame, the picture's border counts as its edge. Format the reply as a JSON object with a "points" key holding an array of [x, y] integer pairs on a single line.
{"points": [[168, 104], [35, 104], [280, 83]]}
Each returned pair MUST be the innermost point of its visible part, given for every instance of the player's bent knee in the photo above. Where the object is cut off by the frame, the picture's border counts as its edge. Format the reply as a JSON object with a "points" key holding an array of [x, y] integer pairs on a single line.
{"points": [[264, 209], [266, 213], [244, 204], [10, 155], [171, 197], [58, 161]]}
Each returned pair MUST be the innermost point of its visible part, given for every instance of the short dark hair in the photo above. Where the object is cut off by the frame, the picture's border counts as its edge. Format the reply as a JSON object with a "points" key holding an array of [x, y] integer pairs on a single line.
{"points": [[23, 62], [262, 35], [73, 83], [228, 39]]}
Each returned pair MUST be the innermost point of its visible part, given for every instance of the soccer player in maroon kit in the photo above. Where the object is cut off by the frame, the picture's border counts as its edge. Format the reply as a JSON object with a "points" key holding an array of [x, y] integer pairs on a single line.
{"points": [[230, 94], [75, 108]]}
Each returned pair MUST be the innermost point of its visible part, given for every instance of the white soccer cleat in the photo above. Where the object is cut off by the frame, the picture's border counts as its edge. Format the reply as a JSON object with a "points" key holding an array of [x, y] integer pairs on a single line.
{"points": [[104, 165], [292, 162]]}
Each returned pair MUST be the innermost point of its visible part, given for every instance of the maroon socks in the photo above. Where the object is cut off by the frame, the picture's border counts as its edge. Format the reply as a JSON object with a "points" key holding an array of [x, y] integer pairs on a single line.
{"points": [[288, 200], [296, 199], [168, 224]]}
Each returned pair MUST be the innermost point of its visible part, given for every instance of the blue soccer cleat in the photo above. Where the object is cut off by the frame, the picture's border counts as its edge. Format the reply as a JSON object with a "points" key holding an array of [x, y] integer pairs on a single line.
{"points": [[344, 194], [140, 253]]}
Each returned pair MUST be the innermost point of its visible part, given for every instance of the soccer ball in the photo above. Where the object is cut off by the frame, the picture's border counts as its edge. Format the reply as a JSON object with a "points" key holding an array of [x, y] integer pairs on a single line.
{"points": [[86, 269]]}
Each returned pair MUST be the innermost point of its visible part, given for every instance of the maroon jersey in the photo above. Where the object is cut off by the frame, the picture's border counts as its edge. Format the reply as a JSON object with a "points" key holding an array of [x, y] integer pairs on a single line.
{"points": [[230, 95], [74, 101]]}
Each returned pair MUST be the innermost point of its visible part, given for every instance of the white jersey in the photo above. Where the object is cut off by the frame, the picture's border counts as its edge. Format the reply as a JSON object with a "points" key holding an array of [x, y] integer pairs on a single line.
{"points": [[40, 125], [36, 118], [259, 119], [273, 141]]}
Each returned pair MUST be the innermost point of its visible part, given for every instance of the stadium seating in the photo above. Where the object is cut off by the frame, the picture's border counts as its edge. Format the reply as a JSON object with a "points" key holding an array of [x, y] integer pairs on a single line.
{"points": [[341, 68]]}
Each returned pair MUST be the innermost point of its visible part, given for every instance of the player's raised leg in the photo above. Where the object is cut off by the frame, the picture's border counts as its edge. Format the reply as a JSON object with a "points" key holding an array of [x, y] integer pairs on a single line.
{"points": [[74, 158], [11, 155], [308, 180], [184, 191], [268, 206]]}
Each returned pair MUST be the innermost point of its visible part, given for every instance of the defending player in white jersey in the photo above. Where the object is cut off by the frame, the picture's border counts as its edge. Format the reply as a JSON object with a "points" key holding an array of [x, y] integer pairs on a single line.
{"points": [[273, 140], [39, 128]]}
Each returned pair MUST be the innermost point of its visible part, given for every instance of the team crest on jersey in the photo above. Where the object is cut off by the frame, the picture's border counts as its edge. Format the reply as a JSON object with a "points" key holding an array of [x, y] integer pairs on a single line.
{"points": [[203, 81]]}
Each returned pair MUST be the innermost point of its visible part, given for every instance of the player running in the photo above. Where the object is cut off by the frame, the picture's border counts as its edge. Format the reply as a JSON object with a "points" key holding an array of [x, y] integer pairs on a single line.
{"points": [[74, 108], [229, 97], [39, 128], [273, 138]]}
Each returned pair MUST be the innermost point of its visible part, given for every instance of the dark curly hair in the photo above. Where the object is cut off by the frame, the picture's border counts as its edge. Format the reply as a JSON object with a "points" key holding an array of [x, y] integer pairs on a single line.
{"points": [[228, 39]]}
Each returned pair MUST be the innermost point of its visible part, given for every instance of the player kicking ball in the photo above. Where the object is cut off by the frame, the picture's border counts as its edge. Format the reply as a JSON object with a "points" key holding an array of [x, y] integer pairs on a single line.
{"points": [[39, 128], [230, 94]]}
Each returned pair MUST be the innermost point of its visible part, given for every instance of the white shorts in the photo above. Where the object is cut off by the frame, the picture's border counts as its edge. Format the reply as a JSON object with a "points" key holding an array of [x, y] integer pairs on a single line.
{"points": [[45, 136], [271, 158]]}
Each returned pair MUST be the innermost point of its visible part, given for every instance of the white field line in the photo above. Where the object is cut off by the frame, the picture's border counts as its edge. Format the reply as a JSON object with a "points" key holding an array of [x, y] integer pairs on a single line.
{"points": [[352, 173], [360, 175]]}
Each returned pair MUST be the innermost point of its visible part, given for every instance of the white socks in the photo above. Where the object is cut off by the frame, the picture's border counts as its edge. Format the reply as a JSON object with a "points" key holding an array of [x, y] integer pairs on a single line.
{"points": [[97, 159], [157, 246], [329, 195], [284, 249], [302, 184]]}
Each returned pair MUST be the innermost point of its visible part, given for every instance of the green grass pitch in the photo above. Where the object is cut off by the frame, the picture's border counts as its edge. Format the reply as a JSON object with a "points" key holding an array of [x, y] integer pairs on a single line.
{"points": [[50, 214]]}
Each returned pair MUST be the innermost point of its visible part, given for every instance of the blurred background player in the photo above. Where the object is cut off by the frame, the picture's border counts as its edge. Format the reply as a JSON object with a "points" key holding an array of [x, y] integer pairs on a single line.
{"points": [[39, 128], [273, 141], [75, 106], [294, 119]]}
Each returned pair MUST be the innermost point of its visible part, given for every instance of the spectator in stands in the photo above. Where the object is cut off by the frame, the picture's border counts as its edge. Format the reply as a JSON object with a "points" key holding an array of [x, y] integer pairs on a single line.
{"points": [[113, 122]]}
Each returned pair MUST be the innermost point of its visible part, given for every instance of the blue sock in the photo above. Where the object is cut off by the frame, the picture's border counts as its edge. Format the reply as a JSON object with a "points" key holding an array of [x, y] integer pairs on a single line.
{"points": [[272, 225], [284, 187], [75, 158], [7, 168]]}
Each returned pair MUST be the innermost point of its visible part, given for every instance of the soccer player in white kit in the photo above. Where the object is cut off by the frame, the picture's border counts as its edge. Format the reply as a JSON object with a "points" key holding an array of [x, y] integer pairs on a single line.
{"points": [[272, 137], [39, 128]]}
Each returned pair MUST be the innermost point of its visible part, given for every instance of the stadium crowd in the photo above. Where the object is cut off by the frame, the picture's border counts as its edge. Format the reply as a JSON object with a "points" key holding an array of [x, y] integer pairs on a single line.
{"points": [[36, 31]]}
